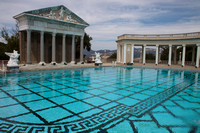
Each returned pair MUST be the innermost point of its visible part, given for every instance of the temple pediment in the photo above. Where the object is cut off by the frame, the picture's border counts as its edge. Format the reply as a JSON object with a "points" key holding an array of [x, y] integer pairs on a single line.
{"points": [[58, 13]]}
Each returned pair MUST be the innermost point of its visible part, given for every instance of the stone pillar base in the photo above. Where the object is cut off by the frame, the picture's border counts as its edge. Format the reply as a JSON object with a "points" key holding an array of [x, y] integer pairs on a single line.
{"points": [[98, 64], [12, 69], [72, 62], [64, 63], [81, 62], [42, 63], [53, 63]]}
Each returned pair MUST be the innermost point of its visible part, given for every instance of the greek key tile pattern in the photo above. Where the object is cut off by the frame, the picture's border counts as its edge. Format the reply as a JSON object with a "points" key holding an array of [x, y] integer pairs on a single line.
{"points": [[106, 99]]}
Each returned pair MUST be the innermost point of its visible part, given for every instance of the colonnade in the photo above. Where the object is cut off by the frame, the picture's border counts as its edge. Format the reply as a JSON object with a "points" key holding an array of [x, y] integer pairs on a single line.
{"points": [[53, 61], [122, 52]]}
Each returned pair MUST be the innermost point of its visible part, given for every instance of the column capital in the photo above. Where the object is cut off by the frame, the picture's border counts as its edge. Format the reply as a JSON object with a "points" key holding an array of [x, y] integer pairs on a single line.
{"points": [[53, 34], [170, 45], [157, 45], [64, 35], [183, 45], [144, 45], [198, 45], [133, 44], [41, 32], [28, 30]]}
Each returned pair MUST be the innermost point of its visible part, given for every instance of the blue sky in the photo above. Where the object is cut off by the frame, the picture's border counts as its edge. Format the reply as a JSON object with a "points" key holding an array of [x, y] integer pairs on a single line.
{"points": [[111, 18]]}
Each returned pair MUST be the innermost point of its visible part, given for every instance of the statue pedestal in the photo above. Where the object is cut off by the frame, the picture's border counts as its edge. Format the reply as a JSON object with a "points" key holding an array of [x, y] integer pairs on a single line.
{"points": [[12, 69], [98, 64]]}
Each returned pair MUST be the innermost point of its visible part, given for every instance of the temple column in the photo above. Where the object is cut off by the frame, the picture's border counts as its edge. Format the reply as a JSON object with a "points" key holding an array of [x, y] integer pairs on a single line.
{"points": [[124, 53], [132, 53], [53, 62], [157, 52], [170, 55], [64, 50], [183, 56], [118, 53], [28, 61], [144, 54], [81, 50], [193, 54], [42, 48], [197, 56], [73, 49]]}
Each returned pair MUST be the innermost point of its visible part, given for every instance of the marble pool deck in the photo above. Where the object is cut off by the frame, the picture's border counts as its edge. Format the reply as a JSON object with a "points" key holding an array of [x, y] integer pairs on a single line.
{"points": [[37, 67]]}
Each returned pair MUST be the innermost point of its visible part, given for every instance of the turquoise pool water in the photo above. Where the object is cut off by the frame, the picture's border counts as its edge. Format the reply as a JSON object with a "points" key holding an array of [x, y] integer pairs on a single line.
{"points": [[106, 99]]}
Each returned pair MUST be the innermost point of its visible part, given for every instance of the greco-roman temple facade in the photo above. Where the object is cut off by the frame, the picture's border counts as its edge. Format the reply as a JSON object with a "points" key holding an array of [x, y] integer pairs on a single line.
{"points": [[49, 35], [127, 42]]}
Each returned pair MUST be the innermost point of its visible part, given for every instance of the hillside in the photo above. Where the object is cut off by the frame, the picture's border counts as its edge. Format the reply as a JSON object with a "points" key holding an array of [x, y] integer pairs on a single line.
{"points": [[137, 52]]}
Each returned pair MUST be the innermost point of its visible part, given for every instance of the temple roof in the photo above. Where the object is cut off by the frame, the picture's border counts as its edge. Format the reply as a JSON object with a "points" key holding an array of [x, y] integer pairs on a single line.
{"points": [[60, 13]]}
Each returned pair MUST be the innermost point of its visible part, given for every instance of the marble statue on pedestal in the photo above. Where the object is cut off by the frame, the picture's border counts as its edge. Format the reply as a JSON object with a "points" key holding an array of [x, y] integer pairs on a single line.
{"points": [[12, 65], [98, 59], [13, 58]]}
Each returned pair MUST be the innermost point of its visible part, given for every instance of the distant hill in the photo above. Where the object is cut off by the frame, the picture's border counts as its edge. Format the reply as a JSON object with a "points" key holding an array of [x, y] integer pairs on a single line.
{"points": [[137, 52], [102, 52]]}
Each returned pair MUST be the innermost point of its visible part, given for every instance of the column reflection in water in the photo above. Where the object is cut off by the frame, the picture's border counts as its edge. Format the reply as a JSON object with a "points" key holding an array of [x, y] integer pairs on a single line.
{"points": [[182, 74], [141, 76], [157, 77]]}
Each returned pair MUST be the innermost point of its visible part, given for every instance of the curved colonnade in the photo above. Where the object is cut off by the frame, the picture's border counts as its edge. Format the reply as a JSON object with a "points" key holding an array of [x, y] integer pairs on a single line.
{"points": [[127, 42]]}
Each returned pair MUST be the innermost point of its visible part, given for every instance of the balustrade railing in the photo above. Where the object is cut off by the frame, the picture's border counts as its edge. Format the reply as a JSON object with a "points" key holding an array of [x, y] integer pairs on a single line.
{"points": [[160, 36]]}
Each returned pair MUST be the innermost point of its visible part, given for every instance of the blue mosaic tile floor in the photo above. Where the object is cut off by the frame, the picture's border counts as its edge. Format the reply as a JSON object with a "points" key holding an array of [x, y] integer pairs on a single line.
{"points": [[106, 99]]}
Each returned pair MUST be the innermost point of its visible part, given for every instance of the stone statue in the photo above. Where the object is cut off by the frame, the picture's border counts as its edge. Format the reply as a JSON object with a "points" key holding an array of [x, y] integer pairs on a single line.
{"points": [[61, 14], [98, 59], [13, 59], [69, 18], [52, 15]]}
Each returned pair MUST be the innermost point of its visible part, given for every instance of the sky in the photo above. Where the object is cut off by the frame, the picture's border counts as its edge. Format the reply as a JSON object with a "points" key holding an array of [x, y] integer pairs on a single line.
{"points": [[111, 18]]}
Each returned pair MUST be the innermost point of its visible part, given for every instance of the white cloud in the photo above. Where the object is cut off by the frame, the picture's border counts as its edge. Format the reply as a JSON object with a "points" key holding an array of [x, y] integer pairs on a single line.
{"points": [[111, 18]]}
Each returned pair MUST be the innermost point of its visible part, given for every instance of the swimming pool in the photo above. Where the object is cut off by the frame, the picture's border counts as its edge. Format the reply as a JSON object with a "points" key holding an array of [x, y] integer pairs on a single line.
{"points": [[112, 99]]}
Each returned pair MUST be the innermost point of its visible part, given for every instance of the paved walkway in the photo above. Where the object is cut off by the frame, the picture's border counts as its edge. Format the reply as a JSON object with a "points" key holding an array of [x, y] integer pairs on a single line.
{"points": [[37, 67]]}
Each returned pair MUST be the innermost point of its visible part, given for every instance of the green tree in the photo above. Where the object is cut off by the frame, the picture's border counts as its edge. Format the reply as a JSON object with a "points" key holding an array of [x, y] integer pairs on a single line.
{"points": [[86, 45], [13, 41], [113, 56], [165, 53], [150, 56]]}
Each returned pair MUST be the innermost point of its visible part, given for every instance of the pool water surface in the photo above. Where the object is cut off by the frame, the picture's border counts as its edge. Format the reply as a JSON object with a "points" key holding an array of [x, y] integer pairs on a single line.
{"points": [[104, 99]]}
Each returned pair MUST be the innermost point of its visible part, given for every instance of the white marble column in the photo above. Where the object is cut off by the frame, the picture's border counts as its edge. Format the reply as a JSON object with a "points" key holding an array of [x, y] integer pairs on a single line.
{"points": [[42, 48], [118, 53], [28, 61], [183, 56], [81, 49], [170, 55], [144, 54], [53, 62], [197, 57], [157, 52], [64, 50], [193, 54], [124, 53], [73, 49], [132, 53]]}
